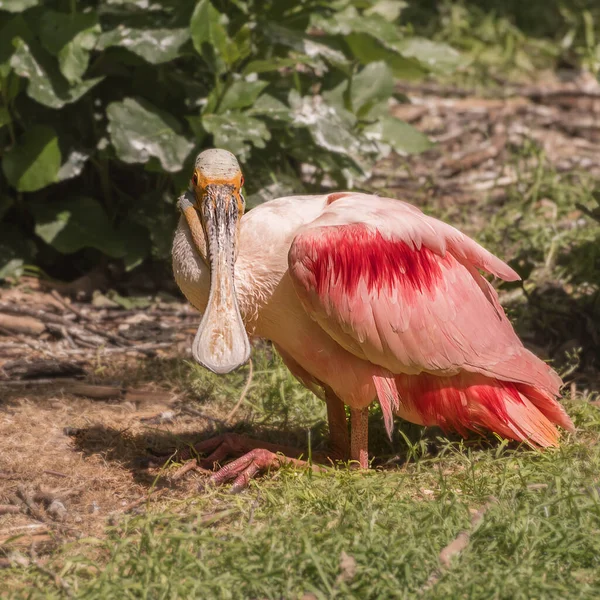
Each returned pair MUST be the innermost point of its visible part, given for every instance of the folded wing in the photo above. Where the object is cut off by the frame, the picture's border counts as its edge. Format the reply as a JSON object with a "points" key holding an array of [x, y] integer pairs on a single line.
{"points": [[403, 291]]}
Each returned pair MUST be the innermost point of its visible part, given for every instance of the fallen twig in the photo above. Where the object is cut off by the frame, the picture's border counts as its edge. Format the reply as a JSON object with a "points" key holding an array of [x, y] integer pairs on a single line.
{"points": [[55, 473], [152, 495], [190, 465], [456, 546], [9, 509], [68, 305], [29, 502], [26, 325], [472, 159]]}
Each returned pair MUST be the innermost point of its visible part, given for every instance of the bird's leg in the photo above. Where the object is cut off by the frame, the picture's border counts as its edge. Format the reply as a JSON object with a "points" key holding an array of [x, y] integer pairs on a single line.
{"points": [[243, 469], [233, 444], [339, 441], [257, 456], [359, 436]]}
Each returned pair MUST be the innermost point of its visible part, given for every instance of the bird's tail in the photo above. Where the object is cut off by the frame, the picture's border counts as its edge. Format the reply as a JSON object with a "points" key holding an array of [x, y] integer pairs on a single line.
{"points": [[470, 401]]}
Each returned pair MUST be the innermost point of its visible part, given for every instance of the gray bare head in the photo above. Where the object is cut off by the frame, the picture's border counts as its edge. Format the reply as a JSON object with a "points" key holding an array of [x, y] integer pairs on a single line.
{"points": [[217, 166]]}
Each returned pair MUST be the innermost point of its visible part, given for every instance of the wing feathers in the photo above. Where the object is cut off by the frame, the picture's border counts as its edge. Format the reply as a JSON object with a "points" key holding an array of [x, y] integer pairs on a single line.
{"points": [[402, 290]]}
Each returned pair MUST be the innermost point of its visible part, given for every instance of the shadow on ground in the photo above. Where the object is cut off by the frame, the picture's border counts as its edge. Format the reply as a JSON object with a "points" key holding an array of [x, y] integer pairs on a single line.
{"points": [[145, 455]]}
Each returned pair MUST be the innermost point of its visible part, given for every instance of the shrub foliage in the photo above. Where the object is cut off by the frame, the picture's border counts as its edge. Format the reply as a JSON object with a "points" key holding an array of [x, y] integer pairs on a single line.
{"points": [[104, 104]]}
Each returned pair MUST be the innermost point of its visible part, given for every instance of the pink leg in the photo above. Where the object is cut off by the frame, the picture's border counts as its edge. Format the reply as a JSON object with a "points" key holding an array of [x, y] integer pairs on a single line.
{"points": [[339, 442], [359, 436], [243, 469], [257, 456], [233, 444]]}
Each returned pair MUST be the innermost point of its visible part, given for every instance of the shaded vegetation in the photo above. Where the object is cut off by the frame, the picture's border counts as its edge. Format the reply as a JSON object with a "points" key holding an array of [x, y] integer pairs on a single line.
{"points": [[105, 104]]}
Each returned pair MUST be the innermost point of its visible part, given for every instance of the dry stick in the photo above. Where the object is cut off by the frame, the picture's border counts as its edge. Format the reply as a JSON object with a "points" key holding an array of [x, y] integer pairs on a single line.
{"points": [[68, 305], [242, 395], [456, 546], [9, 509], [52, 321], [153, 495], [190, 465], [55, 473], [42, 315], [36, 528], [33, 510], [22, 324]]}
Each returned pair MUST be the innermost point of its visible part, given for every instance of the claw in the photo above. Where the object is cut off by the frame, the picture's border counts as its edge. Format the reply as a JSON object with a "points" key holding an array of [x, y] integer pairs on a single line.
{"points": [[256, 457], [259, 460]]}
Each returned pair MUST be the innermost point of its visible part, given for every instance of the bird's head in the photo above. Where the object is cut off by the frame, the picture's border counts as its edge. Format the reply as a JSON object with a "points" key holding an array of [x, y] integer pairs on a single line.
{"points": [[213, 209]]}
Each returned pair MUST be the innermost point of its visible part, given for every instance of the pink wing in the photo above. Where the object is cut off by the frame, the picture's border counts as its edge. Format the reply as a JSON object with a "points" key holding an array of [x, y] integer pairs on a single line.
{"points": [[403, 291]]}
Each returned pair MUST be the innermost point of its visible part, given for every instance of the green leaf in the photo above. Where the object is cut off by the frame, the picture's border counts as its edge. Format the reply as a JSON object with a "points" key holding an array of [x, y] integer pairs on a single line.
{"points": [[73, 166], [350, 21], [46, 84], [137, 244], [232, 130], [138, 131], [385, 35], [76, 223], [196, 126], [367, 49], [17, 6], [209, 36], [401, 136], [33, 162], [241, 93], [154, 45], [303, 44], [70, 37], [434, 55], [274, 64], [270, 107], [330, 127], [372, 85], [283, 185], [16, 27], [388, 9], [159, 218]]}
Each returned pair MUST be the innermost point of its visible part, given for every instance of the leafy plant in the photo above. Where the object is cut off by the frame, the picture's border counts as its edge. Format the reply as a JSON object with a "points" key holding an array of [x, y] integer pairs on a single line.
{"points": [[104, 105]]}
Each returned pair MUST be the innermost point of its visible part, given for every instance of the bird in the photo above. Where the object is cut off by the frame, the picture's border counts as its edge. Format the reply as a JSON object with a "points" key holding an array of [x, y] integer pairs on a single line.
{"points": [[366, 299]]}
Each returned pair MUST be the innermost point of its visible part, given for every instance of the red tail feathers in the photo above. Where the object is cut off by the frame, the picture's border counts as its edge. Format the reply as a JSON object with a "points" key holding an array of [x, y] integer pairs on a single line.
{"points": [[469, 401]]}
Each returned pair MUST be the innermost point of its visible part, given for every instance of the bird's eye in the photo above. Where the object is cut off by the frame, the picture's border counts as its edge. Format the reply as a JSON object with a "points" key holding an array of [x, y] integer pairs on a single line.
{"points": [[195, 178]]}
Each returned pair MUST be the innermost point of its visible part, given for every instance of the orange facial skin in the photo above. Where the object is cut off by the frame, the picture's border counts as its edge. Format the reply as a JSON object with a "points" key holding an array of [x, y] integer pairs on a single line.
{"points": [[200, 182]]}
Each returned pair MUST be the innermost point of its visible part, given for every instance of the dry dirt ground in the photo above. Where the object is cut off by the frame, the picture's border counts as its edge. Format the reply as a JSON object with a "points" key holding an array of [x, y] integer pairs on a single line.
{"points": [[89, 390]]}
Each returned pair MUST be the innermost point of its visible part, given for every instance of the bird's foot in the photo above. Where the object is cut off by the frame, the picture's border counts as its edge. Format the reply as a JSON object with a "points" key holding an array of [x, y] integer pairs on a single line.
{"points": [[244, 468], [257, 457]]}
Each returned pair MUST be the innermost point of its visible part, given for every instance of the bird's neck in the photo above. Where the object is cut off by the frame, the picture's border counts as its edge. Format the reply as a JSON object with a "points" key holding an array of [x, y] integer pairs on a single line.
{"points": [[256, 275]]}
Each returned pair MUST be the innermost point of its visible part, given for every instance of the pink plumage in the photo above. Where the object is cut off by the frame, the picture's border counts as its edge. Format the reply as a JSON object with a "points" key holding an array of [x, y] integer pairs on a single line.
{"points": [[368, 298], [403, 291]]}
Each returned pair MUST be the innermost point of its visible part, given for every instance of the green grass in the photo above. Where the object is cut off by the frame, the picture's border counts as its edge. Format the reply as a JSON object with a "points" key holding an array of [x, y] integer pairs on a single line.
{"points": [[284, 537], [511, 40]]}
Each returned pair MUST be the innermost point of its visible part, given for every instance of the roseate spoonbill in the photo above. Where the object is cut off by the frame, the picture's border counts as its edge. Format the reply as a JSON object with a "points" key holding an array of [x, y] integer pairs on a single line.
{"points": [[365, 298]]}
